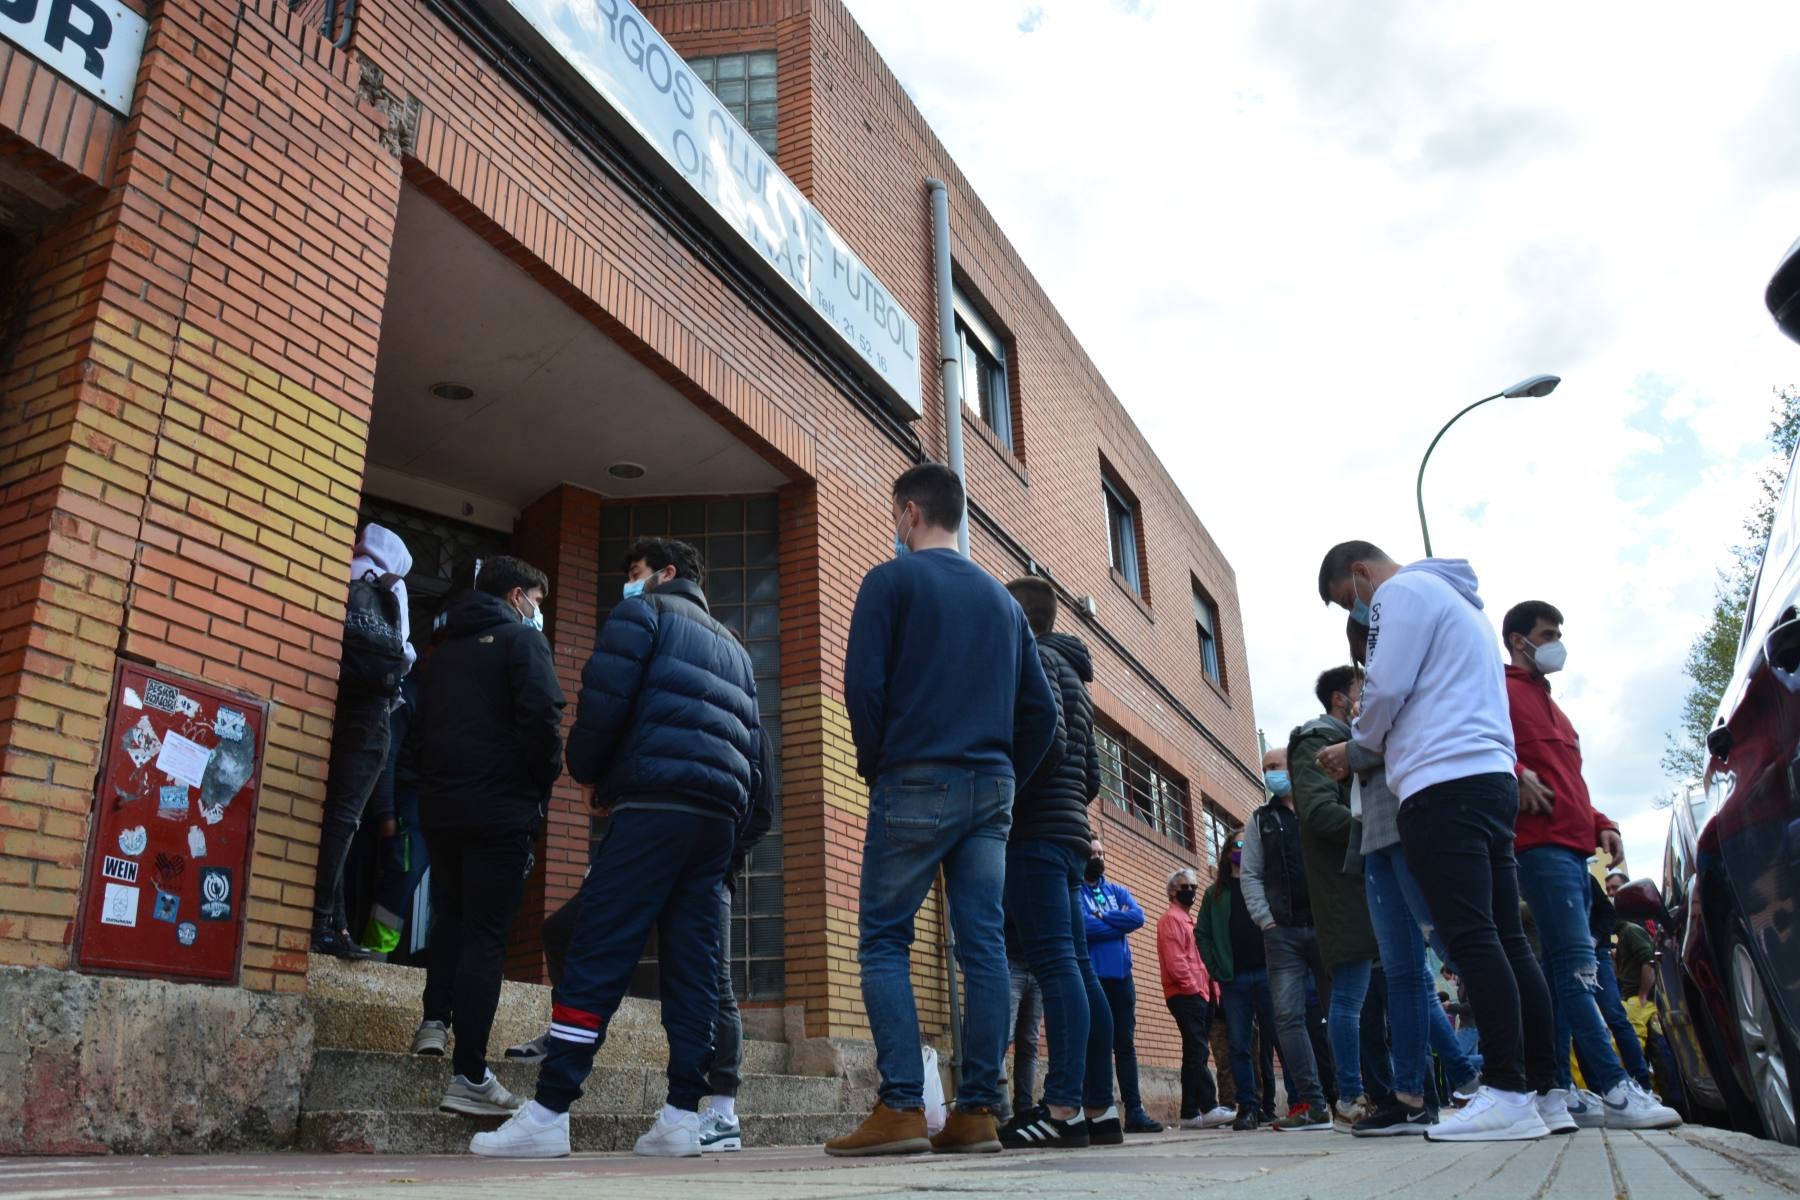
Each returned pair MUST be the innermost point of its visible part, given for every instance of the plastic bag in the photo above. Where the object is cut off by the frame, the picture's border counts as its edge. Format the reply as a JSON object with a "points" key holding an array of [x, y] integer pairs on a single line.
{"points": [[935, 1113]]}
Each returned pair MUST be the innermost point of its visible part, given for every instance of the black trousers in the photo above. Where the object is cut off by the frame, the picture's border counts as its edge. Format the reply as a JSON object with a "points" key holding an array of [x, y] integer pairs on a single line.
{"points": [[477, 884], [1121, 997], [1458, 838], [359, 754], [1193, 1017]]}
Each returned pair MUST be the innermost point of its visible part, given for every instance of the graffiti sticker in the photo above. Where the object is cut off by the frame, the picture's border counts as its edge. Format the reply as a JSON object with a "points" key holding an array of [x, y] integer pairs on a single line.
{"points": [[172, 802], [168, 907], [120, 905], [163, 697], [215, 894], [186, 932], [141, 743], [132, 841]]}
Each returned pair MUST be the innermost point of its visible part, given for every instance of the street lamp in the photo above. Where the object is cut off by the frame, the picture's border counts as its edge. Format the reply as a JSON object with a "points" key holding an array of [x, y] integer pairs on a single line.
{"points": [[1537, 385]]}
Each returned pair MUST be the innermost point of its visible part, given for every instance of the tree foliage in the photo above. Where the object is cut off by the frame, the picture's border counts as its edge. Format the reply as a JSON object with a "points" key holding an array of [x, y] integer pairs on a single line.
{"points": [[1711, 656]]}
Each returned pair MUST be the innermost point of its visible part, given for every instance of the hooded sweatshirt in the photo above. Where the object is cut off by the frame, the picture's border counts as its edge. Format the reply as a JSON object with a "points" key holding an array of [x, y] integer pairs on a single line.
{"points": [[380, 550], [1435, 699], [1549, 745]]}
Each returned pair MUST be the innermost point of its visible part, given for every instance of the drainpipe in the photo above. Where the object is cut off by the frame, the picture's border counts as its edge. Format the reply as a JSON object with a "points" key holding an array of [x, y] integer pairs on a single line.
{"points": [[949, 363], [950, 372]]}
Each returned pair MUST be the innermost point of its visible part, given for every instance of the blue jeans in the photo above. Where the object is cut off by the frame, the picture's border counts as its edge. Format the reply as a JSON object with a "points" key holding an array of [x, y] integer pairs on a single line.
{"points": [[1612, 1010], [1043, 896], [1554, 881], [1349, 988], [922, 817], [658, 870], [1415, 1018], [1247, 999]]}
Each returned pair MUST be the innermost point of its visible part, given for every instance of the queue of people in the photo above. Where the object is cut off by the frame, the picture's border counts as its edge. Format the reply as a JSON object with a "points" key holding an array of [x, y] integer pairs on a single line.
{"points": [[1433, 795]]}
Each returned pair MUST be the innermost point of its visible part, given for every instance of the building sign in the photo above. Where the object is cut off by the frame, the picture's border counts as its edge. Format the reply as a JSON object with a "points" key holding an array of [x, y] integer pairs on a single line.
{"points": [[653, 99], [94, 44]]}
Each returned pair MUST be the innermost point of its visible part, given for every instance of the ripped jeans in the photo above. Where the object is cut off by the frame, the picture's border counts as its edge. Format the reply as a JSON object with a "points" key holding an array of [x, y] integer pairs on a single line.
{"points": [[1553, 880]]}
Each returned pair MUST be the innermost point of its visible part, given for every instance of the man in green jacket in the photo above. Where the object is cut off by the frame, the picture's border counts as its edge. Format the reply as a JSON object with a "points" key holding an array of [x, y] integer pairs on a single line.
{"points": [[1340, 904]]}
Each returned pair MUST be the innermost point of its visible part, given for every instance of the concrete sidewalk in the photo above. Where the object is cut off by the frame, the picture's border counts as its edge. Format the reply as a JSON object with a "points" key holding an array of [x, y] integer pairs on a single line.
{"points": [[1592, 1164]]}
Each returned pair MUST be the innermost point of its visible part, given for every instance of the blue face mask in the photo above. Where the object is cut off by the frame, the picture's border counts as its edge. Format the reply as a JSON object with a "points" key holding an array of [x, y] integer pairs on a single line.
{"points": [[1278, 782], [1360, 614], [633, 587]]}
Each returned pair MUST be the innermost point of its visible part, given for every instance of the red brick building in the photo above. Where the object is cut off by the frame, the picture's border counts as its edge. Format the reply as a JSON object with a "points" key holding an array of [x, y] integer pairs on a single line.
{"points": [[423, 277]]}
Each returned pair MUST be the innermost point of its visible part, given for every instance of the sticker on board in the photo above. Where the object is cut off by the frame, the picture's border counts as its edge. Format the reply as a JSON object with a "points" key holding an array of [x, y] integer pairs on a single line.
{"points": [[228, 723], [141, 743], [132, 841], [196, 842], [120, 905], [182, 760], [121, 869], [186, 932], [163, 697], [172, 802], [168, 907], [215, 894]]}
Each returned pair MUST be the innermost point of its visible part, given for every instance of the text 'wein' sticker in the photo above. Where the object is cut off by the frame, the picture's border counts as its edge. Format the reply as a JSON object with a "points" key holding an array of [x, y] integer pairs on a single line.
{"points": [[228, 723], [132, 841], [119, 906], [141, 743], [121, 869]]}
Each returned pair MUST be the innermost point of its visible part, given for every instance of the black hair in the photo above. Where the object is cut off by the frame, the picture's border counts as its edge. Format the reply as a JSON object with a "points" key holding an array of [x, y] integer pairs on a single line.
{"points": [[1523, 618], [1336, 680], [659, 552], [1038, 599], [1336, 567], [1358, 634], [936, 490], [502, 573]]}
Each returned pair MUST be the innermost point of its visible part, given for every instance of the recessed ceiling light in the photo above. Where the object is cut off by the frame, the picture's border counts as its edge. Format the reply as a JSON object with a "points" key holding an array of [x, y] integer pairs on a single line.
{"points": [[452, 391], [625, 470]]}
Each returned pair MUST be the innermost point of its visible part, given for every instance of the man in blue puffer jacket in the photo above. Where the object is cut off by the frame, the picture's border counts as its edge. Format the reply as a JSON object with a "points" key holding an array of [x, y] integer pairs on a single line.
{"points": [[667, 734]]}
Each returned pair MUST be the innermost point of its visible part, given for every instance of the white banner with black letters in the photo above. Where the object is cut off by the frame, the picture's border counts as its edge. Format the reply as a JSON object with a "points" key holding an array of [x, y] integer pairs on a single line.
{"points": [[94, 44]]}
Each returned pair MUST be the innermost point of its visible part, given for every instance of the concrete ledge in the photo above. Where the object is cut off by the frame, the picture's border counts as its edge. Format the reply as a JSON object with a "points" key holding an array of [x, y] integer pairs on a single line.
{"points": [[381, 1132], [96, 1064]]}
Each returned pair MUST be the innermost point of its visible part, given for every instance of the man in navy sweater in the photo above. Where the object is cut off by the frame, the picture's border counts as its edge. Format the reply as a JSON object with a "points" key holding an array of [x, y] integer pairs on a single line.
{"points": [[949, 706]]}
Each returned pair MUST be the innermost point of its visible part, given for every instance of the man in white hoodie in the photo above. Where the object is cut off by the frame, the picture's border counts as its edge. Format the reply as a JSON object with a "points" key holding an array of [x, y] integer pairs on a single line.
{"points": [[376, 656], [1434, 704]]}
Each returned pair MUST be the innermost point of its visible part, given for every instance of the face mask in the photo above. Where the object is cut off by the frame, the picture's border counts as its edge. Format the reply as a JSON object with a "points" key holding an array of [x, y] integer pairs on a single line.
{"points": [[1360, 614], [536, 619], [633, 587], [1550, 657], [1184, 896], [901, 549], [1278, 782], [1096, 867]]}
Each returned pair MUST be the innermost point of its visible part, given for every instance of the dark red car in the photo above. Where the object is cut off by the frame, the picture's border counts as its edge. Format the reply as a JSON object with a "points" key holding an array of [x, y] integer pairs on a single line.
{"points": [[1728, 915]]}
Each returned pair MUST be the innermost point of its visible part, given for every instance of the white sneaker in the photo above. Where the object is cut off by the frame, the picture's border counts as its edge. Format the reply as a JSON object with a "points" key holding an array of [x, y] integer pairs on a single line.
{"points": [[534, 1051], [1492, 1116], [485, 1099], [1217, 1117], [1586, 1108], [1553, 1107], [678, 1140], [1629, 1106], [719, 1132], [523, 1137]]}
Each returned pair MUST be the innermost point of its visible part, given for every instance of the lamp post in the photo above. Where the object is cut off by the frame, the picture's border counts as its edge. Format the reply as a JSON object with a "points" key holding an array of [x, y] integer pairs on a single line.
{"points": [[1537, 385]]}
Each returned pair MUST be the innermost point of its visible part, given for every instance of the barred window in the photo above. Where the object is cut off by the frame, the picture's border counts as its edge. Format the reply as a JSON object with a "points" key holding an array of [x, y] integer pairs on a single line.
{"points": [[745, 85], [1136, 781], [1217, 830]]}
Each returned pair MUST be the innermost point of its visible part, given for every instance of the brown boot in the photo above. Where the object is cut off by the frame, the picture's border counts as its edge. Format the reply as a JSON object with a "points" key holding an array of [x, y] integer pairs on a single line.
{"points": [[884, 1131], [968, 1131]]}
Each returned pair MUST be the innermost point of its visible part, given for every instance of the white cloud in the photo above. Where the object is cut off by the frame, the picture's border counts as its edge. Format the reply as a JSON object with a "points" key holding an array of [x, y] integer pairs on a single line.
{"points": [[1297, 237]]}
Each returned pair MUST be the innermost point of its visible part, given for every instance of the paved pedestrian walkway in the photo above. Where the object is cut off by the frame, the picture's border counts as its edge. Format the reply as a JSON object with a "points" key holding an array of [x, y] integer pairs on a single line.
{"points": [[1592, 1164]]}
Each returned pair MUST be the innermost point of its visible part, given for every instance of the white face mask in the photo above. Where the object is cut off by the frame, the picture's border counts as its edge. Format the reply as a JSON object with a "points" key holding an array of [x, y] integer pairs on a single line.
{"points": [[1550, 657]]}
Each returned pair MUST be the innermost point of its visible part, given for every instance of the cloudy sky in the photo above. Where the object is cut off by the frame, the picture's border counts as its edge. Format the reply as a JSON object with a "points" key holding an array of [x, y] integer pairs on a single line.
{"points": [[1297, 235]]}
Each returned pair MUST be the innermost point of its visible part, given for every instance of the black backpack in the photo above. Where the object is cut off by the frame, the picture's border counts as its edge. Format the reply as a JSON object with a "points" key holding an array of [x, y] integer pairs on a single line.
{"points": [[374, 658]]}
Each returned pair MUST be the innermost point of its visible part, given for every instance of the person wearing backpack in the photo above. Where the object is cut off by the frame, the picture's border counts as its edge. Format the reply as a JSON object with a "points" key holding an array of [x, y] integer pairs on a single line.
{"points": [[667, 732], [376, 657]]}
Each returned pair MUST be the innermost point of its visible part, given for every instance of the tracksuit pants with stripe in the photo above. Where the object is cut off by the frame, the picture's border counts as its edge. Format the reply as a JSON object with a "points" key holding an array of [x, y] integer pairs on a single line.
{"points": [[658, 870]]}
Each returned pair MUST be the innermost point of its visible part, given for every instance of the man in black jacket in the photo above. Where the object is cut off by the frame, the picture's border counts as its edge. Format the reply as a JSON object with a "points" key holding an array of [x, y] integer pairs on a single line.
{"points": [[487, 747], [667, 733], [1046, 856]]}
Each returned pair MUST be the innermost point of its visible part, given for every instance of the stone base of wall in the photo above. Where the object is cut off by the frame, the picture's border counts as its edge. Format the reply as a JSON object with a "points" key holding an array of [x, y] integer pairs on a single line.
{"points": [[97, 1065]]}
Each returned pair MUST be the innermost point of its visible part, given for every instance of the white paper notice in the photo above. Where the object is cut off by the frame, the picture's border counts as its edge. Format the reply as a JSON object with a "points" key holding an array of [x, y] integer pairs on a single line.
{"points": [[120, 905], [182, 760]]}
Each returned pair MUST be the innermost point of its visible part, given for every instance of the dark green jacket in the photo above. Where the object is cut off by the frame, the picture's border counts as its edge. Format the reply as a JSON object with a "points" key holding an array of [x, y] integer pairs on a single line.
{"points": [[1340, 907], [1212, 931]]}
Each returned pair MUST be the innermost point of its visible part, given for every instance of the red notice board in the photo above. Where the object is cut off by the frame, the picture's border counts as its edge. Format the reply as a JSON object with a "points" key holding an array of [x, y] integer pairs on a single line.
{"points": [[168, 865]]}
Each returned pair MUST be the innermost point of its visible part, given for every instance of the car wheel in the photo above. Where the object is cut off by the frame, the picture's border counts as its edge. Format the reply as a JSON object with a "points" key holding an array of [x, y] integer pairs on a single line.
{"points": [[1765, 1044]]}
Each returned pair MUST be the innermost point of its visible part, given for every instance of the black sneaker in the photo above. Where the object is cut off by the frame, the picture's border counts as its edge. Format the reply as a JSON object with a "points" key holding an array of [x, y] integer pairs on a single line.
{"points": [[1036, 1129], [1106, 1130], [1140, 1121], [1247, 1118], [338, 944], [1393, 1118]]}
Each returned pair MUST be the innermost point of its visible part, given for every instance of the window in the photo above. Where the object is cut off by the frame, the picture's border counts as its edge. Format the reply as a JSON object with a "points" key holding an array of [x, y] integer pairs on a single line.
{"points": [[745, 85], [1136, 781], [984, 385], [1122, 534], [1206, 628], [1217, 829]]}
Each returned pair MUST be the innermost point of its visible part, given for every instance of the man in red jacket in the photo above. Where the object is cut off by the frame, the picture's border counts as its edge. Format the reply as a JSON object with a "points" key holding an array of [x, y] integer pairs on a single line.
{"points": [[1557, 831], [1190, 994]]}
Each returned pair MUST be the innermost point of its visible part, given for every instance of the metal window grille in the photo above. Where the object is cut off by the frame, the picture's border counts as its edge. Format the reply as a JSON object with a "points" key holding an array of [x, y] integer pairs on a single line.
{"points": [[1216, 831], [745, 85], [1139, 783], [738, 543]]}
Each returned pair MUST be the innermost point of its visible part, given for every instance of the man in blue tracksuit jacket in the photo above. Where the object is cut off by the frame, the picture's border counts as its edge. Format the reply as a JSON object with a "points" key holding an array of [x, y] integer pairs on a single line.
{"points": [[1112, 916]]}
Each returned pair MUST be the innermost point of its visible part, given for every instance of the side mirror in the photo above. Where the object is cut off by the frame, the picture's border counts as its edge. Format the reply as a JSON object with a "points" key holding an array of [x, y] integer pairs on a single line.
{"points": [[1640, 901], [1783, 296], [1783, 650]]}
